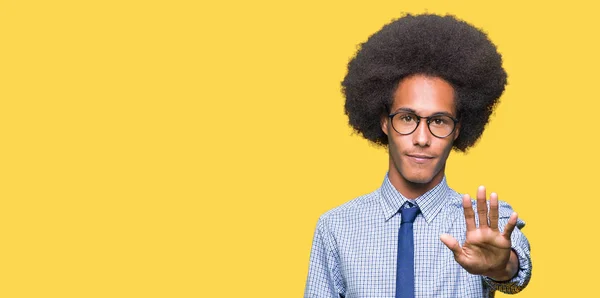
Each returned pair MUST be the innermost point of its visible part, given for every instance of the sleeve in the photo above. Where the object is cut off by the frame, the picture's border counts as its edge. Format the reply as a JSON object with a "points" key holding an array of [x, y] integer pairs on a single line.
{"points": [[520, 246], [324, 278]]}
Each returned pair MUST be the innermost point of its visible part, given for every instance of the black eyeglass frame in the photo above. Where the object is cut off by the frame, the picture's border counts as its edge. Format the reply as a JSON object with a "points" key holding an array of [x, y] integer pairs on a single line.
{"points": [[428, 120]]}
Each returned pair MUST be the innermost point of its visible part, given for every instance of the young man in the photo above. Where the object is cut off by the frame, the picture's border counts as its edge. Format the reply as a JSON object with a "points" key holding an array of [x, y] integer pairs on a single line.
{"points": [[421, 86]]}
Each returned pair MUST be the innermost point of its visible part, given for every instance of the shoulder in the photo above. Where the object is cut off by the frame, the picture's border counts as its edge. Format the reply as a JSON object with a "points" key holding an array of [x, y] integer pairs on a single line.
{"points": [[365, 205]]}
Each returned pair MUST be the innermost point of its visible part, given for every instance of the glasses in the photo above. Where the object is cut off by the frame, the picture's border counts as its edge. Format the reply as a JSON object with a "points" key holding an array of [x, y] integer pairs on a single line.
{"points": [[406, 123]]}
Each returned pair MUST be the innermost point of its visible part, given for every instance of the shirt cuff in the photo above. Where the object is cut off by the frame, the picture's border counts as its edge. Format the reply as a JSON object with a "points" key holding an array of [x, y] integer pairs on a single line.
{"points": [[521, 278]]}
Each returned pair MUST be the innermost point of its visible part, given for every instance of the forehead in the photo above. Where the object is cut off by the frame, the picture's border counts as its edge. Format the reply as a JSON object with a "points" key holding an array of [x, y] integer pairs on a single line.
{"points": [[425, 95]]}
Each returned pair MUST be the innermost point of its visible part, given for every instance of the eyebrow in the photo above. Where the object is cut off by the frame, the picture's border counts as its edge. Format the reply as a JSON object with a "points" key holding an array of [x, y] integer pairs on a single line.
{"points": [[409, 110]]}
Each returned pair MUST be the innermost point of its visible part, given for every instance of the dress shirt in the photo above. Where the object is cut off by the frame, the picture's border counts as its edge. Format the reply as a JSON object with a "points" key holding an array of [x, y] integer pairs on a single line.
{"points": [[355, 245]]}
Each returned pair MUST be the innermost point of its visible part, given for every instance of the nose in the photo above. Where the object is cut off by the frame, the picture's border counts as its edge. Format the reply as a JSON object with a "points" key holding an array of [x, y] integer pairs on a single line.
{"points": [[422, 136]]}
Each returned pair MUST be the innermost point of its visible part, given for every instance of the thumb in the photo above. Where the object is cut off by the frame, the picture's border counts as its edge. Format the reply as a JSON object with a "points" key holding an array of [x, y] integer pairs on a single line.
{"points": [[452, 244]]}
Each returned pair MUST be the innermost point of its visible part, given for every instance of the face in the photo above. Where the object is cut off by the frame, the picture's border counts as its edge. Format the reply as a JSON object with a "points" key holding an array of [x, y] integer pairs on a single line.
{"points": [[418, 160]]}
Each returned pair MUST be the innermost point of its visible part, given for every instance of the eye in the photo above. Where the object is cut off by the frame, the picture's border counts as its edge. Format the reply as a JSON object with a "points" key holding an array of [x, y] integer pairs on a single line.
{"points": [[440, 121], [404, 117]]}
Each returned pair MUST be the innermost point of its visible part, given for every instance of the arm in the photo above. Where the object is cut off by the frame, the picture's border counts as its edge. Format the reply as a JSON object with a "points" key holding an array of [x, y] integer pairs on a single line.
{"points": [[324, 278], [520, 251]]}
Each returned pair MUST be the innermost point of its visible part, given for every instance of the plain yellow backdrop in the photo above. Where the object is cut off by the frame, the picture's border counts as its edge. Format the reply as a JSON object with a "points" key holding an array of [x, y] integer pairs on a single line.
{"points": [[187, 148]]}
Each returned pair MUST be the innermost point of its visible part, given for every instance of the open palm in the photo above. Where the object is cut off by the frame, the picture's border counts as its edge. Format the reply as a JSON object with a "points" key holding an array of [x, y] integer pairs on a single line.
{"points": [[486, 250]]}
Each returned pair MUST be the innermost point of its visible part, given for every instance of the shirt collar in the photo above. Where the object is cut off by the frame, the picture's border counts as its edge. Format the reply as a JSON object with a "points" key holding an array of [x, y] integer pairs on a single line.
{"points": [[430, 202]]}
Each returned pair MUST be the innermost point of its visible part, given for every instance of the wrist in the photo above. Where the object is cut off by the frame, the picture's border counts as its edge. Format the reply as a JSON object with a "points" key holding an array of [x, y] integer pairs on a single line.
{"points": [[508, 272]]}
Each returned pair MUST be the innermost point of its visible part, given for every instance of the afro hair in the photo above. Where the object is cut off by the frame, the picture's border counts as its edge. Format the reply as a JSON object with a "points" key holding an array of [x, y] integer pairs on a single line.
{"points": [[440, 46]]}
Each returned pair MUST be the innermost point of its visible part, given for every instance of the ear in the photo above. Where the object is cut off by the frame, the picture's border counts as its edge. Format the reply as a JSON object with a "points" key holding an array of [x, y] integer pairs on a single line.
{"points": [[384, 124]]}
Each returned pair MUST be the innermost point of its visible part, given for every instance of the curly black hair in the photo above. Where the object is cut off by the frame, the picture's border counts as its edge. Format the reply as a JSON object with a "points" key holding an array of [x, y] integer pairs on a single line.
{"points": [[433, 45]]}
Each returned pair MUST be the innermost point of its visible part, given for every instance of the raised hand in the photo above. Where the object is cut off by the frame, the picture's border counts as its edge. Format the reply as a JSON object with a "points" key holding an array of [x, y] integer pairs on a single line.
{"points": [[486, 250]]}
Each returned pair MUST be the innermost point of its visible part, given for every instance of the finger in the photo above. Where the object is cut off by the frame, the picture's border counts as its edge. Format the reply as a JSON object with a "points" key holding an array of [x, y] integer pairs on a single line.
{"points": [[452, 244], [482, 209], [494, 211], [510, 226], [469, 214]]}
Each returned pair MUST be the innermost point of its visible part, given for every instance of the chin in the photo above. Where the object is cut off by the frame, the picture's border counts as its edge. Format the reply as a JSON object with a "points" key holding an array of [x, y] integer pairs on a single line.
{"points": [[419, 179]]}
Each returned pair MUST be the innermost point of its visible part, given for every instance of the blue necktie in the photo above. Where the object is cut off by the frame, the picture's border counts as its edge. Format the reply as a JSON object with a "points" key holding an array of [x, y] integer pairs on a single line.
{"points": [[405, 270]]}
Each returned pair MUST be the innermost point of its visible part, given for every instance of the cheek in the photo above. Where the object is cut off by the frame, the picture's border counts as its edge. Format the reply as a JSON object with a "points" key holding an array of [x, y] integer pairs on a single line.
{"points": [[398, 143], [445, 148]]}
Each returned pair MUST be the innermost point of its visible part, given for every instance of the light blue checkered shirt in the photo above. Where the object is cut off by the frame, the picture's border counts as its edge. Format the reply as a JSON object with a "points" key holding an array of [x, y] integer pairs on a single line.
{"points": [[355, 245]]}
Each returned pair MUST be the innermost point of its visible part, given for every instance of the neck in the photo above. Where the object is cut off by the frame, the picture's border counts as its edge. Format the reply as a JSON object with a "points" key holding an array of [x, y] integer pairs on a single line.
{"points": [[412, 190]]}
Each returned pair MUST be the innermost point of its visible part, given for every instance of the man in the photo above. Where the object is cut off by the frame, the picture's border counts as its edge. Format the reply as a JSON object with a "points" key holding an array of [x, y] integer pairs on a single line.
{"points": [[421, 86]]}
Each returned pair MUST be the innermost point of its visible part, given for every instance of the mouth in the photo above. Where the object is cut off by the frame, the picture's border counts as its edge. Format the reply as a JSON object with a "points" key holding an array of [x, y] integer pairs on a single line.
{"points": [[420, 158]]}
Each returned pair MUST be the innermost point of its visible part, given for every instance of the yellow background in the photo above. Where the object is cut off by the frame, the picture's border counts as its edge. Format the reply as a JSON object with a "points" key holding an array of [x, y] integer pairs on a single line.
{"points": [[187, 149]]}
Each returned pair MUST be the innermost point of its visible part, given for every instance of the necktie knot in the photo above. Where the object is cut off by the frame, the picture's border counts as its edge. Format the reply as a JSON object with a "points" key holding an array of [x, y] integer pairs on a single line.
{"points": [[408, 214]]}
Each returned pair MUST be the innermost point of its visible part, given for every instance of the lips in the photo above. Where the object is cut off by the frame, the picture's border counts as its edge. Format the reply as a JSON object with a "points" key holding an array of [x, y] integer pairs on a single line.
{"points": [[420, 158]]}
